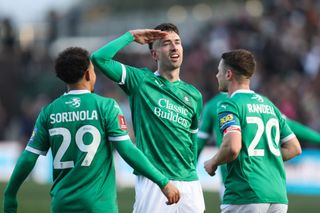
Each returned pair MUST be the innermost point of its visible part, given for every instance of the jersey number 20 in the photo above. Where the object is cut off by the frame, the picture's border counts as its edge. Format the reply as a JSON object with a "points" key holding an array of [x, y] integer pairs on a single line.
{"points": [[90, 149], [252, 151]]}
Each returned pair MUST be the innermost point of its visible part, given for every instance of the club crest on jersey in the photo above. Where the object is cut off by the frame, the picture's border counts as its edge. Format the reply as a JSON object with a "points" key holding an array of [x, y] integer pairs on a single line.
{"points": [[75, 102], [186, 99], [257, 97], [122, 122]]}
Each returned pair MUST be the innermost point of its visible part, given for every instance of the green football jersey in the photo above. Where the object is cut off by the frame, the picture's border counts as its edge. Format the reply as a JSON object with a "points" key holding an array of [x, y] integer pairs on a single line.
{"points": [[209, 126], [78, 127], [164, 114], [257, 175]]}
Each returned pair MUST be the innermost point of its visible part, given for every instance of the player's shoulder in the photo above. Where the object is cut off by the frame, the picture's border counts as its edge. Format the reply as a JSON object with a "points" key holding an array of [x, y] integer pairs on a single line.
{"points": [[106, 104], [138, 70], [104, 100], [218, 98], [56, 102], [261, 99], [189, 87], [244, 96], [227, 104], [186, 84]]}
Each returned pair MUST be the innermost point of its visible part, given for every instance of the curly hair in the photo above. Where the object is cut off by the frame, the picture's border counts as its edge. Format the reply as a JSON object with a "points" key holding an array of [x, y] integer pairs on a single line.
{"points": [[71, 64]]}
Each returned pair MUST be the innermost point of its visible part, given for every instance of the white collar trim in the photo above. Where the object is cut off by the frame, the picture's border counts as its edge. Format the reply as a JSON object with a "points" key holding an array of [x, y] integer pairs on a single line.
{"points": [[242, 91], [156, 73], [77, 92]]}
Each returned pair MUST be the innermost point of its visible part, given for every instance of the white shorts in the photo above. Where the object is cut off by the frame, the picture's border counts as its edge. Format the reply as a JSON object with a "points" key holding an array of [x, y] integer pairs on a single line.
{"points": [[149, 197], [255, 208]]}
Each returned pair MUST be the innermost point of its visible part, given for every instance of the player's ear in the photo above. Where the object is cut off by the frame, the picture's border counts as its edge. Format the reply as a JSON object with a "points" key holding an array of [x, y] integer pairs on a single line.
{"points": [[154, 54], [87, 75], [229, 73]]}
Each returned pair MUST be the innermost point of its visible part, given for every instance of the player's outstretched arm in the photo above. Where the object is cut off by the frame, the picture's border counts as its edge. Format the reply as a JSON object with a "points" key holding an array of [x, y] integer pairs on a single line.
{"points": [[290, 149], [303, 132], [200, 143], [205, 128], [136, 159], [24, 166], [145, 36], [102, 58]]}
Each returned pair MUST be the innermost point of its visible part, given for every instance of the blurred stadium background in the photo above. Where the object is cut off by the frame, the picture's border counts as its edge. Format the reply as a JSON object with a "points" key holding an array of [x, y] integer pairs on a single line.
{"points": [[283, 34]]}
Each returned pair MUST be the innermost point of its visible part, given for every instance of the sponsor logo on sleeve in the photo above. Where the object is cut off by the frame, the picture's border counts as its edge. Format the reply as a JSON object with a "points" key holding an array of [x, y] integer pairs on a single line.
{"points": [[226, 120], [122, 122]]}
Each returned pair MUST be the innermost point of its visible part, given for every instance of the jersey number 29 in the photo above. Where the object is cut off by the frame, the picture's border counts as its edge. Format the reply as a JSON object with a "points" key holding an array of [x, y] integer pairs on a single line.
{"points": [[90, 149]]}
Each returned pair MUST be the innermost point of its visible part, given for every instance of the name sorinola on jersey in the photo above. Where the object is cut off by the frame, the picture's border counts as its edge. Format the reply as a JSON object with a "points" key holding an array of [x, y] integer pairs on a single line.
{"points": [[73, 116]]}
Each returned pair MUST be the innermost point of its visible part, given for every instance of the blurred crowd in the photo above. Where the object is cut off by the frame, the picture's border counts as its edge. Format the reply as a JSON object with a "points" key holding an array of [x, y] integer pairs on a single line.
{"points": [[285, 40]]}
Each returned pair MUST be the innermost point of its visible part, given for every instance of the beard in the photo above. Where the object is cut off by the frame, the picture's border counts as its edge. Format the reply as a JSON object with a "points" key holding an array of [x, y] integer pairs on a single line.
{"points": [[174, 65], [223, 88]]}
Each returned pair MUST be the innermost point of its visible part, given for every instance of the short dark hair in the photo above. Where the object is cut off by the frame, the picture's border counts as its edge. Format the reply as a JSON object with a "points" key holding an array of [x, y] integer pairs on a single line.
{"points": [[241, 61], [168, 27], [71, 64]]}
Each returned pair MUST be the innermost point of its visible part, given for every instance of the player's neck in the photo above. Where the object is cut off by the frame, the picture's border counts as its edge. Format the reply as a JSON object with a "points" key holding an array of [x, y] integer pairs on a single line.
{"points": [[234, 87], [79, 86], [172, 75]]}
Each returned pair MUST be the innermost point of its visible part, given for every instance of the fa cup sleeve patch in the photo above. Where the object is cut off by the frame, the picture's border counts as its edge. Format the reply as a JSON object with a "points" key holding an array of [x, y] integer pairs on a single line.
{"points": [[122, 122], [34, 132]]}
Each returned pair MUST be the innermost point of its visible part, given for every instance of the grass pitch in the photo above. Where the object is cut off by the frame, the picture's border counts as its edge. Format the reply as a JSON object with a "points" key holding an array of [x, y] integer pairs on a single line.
{"points": [[34, 198]]}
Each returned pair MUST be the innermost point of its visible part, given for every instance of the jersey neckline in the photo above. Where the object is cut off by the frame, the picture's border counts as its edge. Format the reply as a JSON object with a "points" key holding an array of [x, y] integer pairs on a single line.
{"points": [[156, 73], [241, 91], [77, 92]]}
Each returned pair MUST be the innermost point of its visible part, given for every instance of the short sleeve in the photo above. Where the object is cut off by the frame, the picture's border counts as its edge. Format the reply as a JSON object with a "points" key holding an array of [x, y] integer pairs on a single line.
{"points": [[285, 131], [228, 115], [196, 117], [39, 140], [206, 122], [131, 78], [117, 129]]}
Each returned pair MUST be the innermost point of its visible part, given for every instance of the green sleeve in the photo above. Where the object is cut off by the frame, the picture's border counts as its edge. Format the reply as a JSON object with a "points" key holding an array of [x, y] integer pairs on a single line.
{"points": [[102, 58], [136, 159], [304, 133], [200, 143], [195, 125], [24, 166], [195, 148], [205, 129], [194, 140]]}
